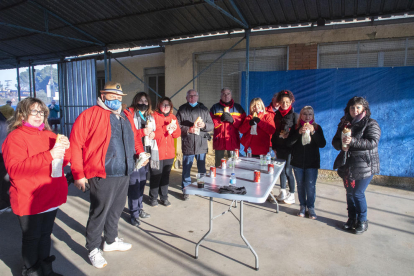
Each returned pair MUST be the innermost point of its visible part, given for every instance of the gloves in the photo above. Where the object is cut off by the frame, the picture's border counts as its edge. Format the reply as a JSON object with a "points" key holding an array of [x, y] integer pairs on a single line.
{"points": [[251, 122], [226, 117], [256, 120]]}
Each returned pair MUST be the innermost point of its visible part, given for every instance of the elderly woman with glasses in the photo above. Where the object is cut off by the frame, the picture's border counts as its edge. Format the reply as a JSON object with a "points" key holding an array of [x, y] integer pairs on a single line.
{"points": [[35, 195], [166, 130]]}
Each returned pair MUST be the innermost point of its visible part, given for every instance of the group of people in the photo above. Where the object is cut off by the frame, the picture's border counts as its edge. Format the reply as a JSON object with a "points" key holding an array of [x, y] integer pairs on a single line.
{"points": [[114, 150]]}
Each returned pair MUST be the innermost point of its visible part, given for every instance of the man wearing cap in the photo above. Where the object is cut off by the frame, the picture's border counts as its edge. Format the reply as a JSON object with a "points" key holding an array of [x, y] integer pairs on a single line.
{"points": [[53, 115], [104, 144], [227, 117]]}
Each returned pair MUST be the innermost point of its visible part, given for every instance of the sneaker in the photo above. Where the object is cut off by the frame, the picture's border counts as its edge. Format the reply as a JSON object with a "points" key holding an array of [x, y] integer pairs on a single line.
{"points": [[117, 245], [290, 199], [282, 196], [166, 203], [302, 211], [186, 197], [6, 210], [96, 258], [312, 213], [154, 203], [135, 222], [143, 214]]}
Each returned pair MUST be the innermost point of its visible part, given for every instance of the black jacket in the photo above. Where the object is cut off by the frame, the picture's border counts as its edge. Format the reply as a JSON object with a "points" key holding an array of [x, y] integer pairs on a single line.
{"points": [[362, 159], [186, 116], [283, 123], [307, 156]]}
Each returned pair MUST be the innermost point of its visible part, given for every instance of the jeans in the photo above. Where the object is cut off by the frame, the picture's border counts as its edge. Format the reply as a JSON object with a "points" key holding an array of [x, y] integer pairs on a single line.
{"points": [[188, 163], [286, 172], [355, 198], [136, 192], [306, 181], [160, 179], [36, 230]]}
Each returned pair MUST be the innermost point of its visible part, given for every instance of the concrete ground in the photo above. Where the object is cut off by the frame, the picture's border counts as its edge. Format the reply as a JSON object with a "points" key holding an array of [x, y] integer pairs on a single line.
{"points": [[286, 244]]}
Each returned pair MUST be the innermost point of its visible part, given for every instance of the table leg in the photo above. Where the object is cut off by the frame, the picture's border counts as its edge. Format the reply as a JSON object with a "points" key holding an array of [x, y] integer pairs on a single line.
{"points": [[244, 239], [277, 204], [209, 230]]}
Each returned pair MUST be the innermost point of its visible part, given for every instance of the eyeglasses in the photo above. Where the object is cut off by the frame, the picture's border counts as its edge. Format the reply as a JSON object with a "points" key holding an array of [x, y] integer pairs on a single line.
{"points": [[34, 112]]}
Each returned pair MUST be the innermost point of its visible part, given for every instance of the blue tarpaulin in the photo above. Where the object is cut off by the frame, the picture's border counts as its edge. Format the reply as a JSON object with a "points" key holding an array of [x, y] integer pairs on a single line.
{"points": [[389, 91]]}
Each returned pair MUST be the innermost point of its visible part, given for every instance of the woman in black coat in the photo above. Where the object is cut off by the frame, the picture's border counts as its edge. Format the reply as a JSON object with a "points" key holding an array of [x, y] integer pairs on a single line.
{"points": [[306, 138], [358, 160]]}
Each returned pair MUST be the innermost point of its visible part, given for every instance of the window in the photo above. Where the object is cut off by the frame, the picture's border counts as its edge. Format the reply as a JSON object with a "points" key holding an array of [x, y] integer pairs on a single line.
{"points": [[155, 78], [368, 53], [226, 72]]}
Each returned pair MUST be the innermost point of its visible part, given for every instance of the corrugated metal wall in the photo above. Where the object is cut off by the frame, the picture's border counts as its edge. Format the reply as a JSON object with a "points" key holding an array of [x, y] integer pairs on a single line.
{"points": [[77, 81]]}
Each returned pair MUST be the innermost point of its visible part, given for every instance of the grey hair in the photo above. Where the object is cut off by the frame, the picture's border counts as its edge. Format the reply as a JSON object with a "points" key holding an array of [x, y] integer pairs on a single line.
{"points": [[226, 88], [188, 92]]}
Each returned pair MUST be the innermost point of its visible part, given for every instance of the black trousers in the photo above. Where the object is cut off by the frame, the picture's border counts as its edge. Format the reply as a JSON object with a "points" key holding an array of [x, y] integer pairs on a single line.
{"points": [[36, 230], [160, 179], [219, 154], [4, 186], [108, 198]]}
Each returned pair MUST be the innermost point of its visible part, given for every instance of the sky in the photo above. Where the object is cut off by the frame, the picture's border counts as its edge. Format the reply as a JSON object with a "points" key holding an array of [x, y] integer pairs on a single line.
{"points": [[11, 74]]}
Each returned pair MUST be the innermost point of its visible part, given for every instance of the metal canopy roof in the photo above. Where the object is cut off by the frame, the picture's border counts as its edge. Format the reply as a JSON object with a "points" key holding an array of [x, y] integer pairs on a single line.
{"points": [[38, 31]]}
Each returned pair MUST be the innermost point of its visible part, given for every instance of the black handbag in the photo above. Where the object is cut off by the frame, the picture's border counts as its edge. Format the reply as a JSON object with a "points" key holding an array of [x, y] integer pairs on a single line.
{"points": [[340, 160]]}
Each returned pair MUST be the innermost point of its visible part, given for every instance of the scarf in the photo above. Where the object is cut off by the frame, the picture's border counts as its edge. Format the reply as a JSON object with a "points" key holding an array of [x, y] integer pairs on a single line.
{"points": [[40, 128], [358, 118], [283, 112], [303, 122], [100, 103], [155, 158]]}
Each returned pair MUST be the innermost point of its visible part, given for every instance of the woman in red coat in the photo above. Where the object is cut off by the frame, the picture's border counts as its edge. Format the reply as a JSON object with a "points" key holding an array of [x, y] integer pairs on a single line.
{"points": [[265, 127], [35, 196], [166, 130]]}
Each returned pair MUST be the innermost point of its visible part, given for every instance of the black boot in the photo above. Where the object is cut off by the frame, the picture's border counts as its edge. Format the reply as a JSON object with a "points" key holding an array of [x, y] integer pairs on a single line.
{"points": [[361, 227], [350, 224], [35, 270], [47, 266]]}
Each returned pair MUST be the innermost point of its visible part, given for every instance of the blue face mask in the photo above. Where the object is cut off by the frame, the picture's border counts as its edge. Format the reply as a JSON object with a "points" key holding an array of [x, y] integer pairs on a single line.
{"points": [[193, 104], [114, 104]]}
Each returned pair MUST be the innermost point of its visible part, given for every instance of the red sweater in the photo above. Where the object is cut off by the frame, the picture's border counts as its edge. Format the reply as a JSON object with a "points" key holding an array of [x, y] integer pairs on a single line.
{"points": [[29, 164], [258, 143], [89, 139], [165, 141]]}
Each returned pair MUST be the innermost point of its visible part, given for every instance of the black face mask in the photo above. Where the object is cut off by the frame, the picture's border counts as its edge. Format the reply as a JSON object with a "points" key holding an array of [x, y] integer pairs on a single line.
{"points": [[142, 107]]}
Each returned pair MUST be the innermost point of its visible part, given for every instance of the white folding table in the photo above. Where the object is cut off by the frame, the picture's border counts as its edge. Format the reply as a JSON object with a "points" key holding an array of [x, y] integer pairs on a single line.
{"points": [[255, 193]]}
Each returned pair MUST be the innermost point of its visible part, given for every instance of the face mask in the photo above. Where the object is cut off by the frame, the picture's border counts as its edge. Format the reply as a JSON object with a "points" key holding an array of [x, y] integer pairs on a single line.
{"points": [[142, 107], [114, 104], [193, 104]]}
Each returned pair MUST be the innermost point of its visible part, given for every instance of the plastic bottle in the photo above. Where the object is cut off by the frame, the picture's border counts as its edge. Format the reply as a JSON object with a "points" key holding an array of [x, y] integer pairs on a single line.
{"points": [[230, 163], [272, 154], [232, 179], [268, 158], [249, 152]]}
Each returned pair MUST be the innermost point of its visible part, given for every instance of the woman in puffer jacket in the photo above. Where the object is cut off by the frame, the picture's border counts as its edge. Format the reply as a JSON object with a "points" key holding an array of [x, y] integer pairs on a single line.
{"points": [[358, 160]]}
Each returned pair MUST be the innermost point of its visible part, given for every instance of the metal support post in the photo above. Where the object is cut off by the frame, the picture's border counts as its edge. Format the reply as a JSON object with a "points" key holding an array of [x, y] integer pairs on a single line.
{"points": [[244, 239], [247, 67], [109, 66], [34, 81], [202, 71], [30, 80], [106, 65], [18, 81]]}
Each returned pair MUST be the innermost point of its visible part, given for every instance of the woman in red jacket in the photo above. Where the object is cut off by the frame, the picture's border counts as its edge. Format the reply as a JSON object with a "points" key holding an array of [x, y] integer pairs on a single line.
{"points": [[265, 127], [166, 130], [35, 196]]}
